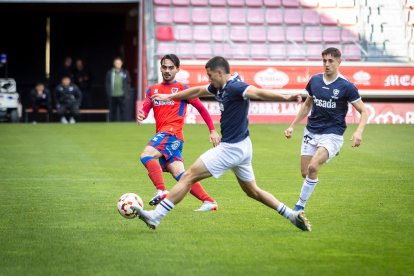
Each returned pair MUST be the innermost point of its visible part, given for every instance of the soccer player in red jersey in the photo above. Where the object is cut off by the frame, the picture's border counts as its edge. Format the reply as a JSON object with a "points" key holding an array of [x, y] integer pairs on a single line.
{"points": [[167, 144]]}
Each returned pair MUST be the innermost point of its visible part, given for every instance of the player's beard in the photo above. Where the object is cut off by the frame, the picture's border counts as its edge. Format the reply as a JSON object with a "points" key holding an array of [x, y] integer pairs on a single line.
{"points": [[167, 77]]}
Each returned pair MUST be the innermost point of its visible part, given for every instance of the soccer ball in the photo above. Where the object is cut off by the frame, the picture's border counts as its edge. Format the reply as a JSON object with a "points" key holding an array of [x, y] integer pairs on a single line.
{"points": [[125, 203]]}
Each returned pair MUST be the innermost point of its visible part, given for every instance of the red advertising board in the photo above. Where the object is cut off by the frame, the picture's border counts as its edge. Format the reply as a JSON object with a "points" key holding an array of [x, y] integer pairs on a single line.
{"points": [[280, 112], [370, 79]]}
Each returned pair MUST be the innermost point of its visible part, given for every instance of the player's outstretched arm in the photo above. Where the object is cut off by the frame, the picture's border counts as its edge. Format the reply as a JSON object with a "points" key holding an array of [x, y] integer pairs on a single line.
{"points": [[190, 93], [357, 135], [303, 112], [256, 93]]}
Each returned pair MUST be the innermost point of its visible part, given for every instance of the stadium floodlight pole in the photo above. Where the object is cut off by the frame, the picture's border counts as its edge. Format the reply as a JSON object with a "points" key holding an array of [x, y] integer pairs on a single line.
{"points": [[47, 51], [140, 50]]}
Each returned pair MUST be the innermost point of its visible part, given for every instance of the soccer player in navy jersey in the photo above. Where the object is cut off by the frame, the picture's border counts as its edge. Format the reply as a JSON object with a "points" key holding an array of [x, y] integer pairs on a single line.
{"points": [[164, 151], [235, 150], [329, 95]]}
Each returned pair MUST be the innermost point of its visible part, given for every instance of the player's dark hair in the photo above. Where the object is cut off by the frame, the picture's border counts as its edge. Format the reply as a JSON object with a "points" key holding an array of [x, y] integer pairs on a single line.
{"points": [[332, 51], [218, 62], [175, 60]]}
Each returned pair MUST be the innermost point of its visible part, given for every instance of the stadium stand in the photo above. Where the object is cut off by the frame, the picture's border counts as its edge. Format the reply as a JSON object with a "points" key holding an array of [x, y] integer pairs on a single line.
{"points": [[367, 30]]}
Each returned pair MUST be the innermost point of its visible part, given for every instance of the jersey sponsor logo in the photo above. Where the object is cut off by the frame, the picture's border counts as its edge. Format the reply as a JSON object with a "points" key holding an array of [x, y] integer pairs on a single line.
{"points": [[325, 104], [160, 103], [324, 87]]}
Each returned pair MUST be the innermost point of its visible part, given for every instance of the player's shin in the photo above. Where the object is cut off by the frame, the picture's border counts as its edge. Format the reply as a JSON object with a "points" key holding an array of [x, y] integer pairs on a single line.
{"points": [[154, 172], [307, 188]]}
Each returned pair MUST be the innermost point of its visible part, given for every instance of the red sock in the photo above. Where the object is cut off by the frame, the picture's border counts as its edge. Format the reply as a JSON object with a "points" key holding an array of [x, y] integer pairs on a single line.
{"points": [[198, 191], [155, 174]]}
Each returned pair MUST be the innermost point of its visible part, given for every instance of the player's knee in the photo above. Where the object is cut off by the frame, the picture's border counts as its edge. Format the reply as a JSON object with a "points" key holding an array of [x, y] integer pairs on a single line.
{"points": [[145, 158], [312, 169], [304, 173]]}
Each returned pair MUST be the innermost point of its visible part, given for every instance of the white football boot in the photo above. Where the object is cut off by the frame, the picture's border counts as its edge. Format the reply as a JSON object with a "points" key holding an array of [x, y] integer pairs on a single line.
{"points": [[300, 221], [146, 216], [207, 206]]}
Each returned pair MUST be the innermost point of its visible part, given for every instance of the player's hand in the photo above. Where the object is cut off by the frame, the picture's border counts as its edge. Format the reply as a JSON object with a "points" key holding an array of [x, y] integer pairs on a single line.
{"points": [[214, 137], [357, 139], [294, 98], [161, 97], [288, 132], [140, 117]]}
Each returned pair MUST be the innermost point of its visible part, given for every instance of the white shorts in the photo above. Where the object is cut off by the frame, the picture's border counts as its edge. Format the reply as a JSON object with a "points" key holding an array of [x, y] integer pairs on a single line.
{"points": [[331, 142], [237, 157]]}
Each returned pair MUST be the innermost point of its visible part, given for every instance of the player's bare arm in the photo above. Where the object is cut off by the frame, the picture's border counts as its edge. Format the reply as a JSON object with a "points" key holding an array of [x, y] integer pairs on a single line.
{"points": [[303, 112], [141, 117], [190, 93], [256, 93], [357, 135]]}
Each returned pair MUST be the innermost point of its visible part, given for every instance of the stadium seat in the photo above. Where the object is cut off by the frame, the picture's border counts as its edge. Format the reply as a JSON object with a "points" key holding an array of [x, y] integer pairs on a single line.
{"points": [[310, 17], [313, 51], [313, 34], [202, 51], [183, 33], [201, 33], [350, 35], [199, 16], [258, 51], [254, 3], [164, 48], [294, 33], [220, 33], [331, 34], [199, 2], [309, 3], [327, 3], [277, 51], [272, 3], [235, 3], [181, 2], [162, 2], [295, 52], [240, 51], [222, 49], [218, 15], [163, 15], [185, 50], [255, 16], [164, 33], [328, 17], [274, 16], [276, 34], [257, 34], [351, 52], [238, 34], [347, 17], [290, 3], [182, 15], [218, 2], [237, 16], [292, 16]]}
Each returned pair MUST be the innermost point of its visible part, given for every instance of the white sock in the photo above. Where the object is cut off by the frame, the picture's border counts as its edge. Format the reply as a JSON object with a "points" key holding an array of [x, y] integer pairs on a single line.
{"points": [[164, 207], [285, 211], [307, 189]]}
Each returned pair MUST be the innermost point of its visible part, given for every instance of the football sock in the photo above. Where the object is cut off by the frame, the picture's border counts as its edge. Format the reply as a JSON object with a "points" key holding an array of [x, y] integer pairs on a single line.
{"points": [[197, 190], [307, 189], [154, 172], [284, 211], [164, 207]]}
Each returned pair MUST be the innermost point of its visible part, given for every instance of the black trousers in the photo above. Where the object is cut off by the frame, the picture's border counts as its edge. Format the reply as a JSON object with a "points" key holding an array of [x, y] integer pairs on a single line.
{"points": [[117, 109], [40, 104]]}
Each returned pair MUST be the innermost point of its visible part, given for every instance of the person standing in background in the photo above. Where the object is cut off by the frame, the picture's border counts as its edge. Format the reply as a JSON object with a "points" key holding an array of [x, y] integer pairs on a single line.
{"points": [[117, 85], [82, 78]]}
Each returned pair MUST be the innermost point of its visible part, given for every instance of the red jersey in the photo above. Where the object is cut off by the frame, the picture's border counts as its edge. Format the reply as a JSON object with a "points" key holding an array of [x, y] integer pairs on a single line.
{"points": [[170, 115]]}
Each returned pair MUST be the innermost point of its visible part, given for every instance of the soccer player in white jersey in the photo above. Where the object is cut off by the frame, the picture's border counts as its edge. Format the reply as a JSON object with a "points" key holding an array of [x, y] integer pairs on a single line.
{"points": [[235, 150], [329, 95]]}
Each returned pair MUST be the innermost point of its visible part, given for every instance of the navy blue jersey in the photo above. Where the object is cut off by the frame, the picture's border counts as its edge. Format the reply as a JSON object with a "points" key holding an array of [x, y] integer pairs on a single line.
{"points": [[330, 104], [234, 109]]}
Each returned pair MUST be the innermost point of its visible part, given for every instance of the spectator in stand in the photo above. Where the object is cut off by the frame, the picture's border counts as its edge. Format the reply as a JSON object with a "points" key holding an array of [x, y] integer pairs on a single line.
{"points": [[65, 69], [40, 98], [117, 85], [68, 99], [82, 78]]}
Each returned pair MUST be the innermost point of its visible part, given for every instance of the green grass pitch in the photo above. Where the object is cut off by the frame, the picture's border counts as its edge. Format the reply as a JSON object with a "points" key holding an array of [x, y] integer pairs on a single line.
{"points": [[59, 185]]}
